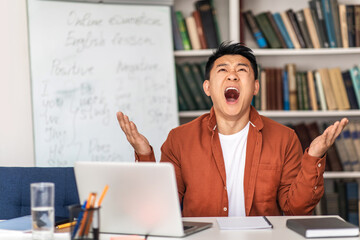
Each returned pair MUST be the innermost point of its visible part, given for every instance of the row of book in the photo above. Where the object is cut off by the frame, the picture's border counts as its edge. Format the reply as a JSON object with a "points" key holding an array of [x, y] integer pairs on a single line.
{"points": [[341, 198], [344, 154], [190, 78], [322, 89], [197, 31], [324, 24]]}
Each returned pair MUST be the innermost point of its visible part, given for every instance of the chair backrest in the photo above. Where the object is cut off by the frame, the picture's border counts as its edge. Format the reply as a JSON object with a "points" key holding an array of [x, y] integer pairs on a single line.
{"points": [[15, 189]]}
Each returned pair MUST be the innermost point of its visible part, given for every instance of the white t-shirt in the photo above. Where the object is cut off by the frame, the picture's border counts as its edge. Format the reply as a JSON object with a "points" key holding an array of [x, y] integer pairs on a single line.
{"points": [[234, 152]]}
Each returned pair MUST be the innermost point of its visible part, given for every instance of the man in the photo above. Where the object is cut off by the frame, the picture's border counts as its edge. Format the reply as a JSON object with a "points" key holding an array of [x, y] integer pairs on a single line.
{"points": [[233, 161]]}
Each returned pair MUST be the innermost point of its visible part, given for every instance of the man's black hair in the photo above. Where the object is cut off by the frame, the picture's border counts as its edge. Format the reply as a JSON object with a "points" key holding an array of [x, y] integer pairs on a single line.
{"points": [[227, 48]]}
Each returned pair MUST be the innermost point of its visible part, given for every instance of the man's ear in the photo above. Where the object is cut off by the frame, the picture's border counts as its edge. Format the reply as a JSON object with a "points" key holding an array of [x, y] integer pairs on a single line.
{"points": [[206, 87], [257, 87]]}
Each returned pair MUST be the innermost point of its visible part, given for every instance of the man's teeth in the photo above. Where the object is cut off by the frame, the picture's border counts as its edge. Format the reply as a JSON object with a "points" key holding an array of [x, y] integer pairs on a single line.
{"points": [[231, 88]]}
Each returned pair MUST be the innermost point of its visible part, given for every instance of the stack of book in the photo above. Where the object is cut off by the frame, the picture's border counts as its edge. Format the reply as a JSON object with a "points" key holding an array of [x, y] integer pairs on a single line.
{"points": [[190, 78], [324, 24], [344, 155], [198, 31], [340, 198], [321, 89]]}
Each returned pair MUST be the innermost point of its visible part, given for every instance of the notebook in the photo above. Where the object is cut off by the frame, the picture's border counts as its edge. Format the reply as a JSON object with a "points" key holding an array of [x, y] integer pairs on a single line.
{"points": [[322, 227], [142, 198]]}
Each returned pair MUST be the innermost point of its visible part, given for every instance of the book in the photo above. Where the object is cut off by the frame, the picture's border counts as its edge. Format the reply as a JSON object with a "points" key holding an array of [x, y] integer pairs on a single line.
{"points": [[336, 89], [322, 227], [350, 21], [318, 16], [192, 32], [312, 91], [328, 90], [355, 78], [355, 138], [283, 31], [295, 25], [343, 26], [357, 25], [178, 45], [311, 27], [341, 88], [254, 29], [335, 16], [181, 101], [279, 89], [207, 19], [350, 89], [276, 29], [300, 91], [303, 134], [184, 91], [183, 31], [352, 198], [243, 223], [199, 29], [267, 29], [195, 71], [263, 86], [350, 149], [303, 28], [286, 91], [291, 72], [343, 155], [192, 85], [305, 89], [329, 23], [290, 30], [320, 89]]}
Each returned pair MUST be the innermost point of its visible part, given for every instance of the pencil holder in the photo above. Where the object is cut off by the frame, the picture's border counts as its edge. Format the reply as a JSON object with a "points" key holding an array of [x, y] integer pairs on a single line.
{"points": [[87, 223]]}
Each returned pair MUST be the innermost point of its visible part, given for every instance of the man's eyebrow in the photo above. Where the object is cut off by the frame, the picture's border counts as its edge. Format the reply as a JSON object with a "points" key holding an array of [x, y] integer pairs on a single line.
{"points": [[226, 64]]}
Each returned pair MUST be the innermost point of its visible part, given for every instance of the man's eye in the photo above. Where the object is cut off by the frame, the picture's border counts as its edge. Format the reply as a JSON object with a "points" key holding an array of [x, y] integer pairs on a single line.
{"points": [[242, 70], [222, 70]]}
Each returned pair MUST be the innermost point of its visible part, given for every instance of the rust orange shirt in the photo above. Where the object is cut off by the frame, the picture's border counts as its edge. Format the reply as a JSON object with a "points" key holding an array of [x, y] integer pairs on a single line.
{"points": [[279, 178]]}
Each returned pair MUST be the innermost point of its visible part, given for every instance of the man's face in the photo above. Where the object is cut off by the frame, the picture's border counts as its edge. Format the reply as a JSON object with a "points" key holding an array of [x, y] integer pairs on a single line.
{"points": [[231, 85]]}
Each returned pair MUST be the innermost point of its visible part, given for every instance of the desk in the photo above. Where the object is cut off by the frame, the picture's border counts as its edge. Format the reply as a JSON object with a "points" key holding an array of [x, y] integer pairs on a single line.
{"points": [[279, 232]]}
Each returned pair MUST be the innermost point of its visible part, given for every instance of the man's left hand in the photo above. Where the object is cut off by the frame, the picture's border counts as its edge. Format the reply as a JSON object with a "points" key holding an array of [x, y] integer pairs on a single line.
{"points": [[322, 143]]}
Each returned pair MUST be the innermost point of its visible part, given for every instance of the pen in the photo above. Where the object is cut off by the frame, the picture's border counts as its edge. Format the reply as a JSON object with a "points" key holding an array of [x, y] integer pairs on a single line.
{"points": [[103, 195], [79, 220], [96, 213], [65, 225], [85, 216]]}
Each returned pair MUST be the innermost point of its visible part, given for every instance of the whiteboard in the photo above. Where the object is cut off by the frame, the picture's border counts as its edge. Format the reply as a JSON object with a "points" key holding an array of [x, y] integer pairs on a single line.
{"points": [[90, 60]]}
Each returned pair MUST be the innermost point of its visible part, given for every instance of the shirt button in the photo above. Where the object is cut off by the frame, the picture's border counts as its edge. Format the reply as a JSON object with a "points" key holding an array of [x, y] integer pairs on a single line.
{"points": [[319, 165], [315, 187], [225, 188], [225, 209]]}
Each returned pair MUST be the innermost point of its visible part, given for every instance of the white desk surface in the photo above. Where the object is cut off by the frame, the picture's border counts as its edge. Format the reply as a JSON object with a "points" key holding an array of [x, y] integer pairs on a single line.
{"points": [[278, 232]]}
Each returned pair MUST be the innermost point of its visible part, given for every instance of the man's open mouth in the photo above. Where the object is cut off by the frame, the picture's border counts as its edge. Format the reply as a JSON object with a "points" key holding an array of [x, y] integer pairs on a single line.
{"points": [[231, 94]]}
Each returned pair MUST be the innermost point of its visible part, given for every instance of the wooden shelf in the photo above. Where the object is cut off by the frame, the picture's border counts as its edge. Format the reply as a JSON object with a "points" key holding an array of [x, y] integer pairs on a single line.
{"points": [[276, 52], [289, 114], [341, 175]]}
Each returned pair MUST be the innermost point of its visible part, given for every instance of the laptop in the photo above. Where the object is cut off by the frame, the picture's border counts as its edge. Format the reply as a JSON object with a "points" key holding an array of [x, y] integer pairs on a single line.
{"points": [[142, 198]]}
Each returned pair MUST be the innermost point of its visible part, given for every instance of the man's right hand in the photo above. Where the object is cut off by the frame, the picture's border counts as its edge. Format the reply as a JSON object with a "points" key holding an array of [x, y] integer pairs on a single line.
{"points": [[138, 141]]}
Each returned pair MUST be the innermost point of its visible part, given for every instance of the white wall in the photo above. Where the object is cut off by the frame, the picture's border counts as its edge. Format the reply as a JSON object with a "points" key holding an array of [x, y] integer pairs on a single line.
{"points": [[16, 136]]}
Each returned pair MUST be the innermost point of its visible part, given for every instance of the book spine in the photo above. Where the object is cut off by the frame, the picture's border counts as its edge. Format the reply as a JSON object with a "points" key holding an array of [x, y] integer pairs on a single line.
{"points": [[276, 29], [269, 33], [296, 27], [350, 89], [207, 19], [322, 24], [336, 21], [311, 27], [350, 21], [312, 92], [316, 21], [343, 26], [286, 91], [320, 89], [303, 28], [195, 70], [357, 25], [184, 91], [290, 30], [283, 30], [341, 88], [279, 89], [199, 28], [192, 31], [291, 70], [300, 93], [178, 45], [183, 31], [254, 29], [355, 77], [263, 90], [328, 90], [329, 23]]}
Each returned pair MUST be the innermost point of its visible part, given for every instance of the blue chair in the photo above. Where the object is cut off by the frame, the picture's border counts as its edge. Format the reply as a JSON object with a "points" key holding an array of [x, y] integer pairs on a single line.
{"points": [[15, 189]]}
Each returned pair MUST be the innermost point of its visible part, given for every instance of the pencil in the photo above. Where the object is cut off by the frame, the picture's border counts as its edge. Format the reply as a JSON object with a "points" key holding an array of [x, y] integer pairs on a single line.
{"points": [[65, 225], [103, 195]]}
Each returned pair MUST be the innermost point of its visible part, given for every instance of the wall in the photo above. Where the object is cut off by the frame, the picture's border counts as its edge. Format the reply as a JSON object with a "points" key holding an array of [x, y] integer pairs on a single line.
{"points": [[16, 137]]}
